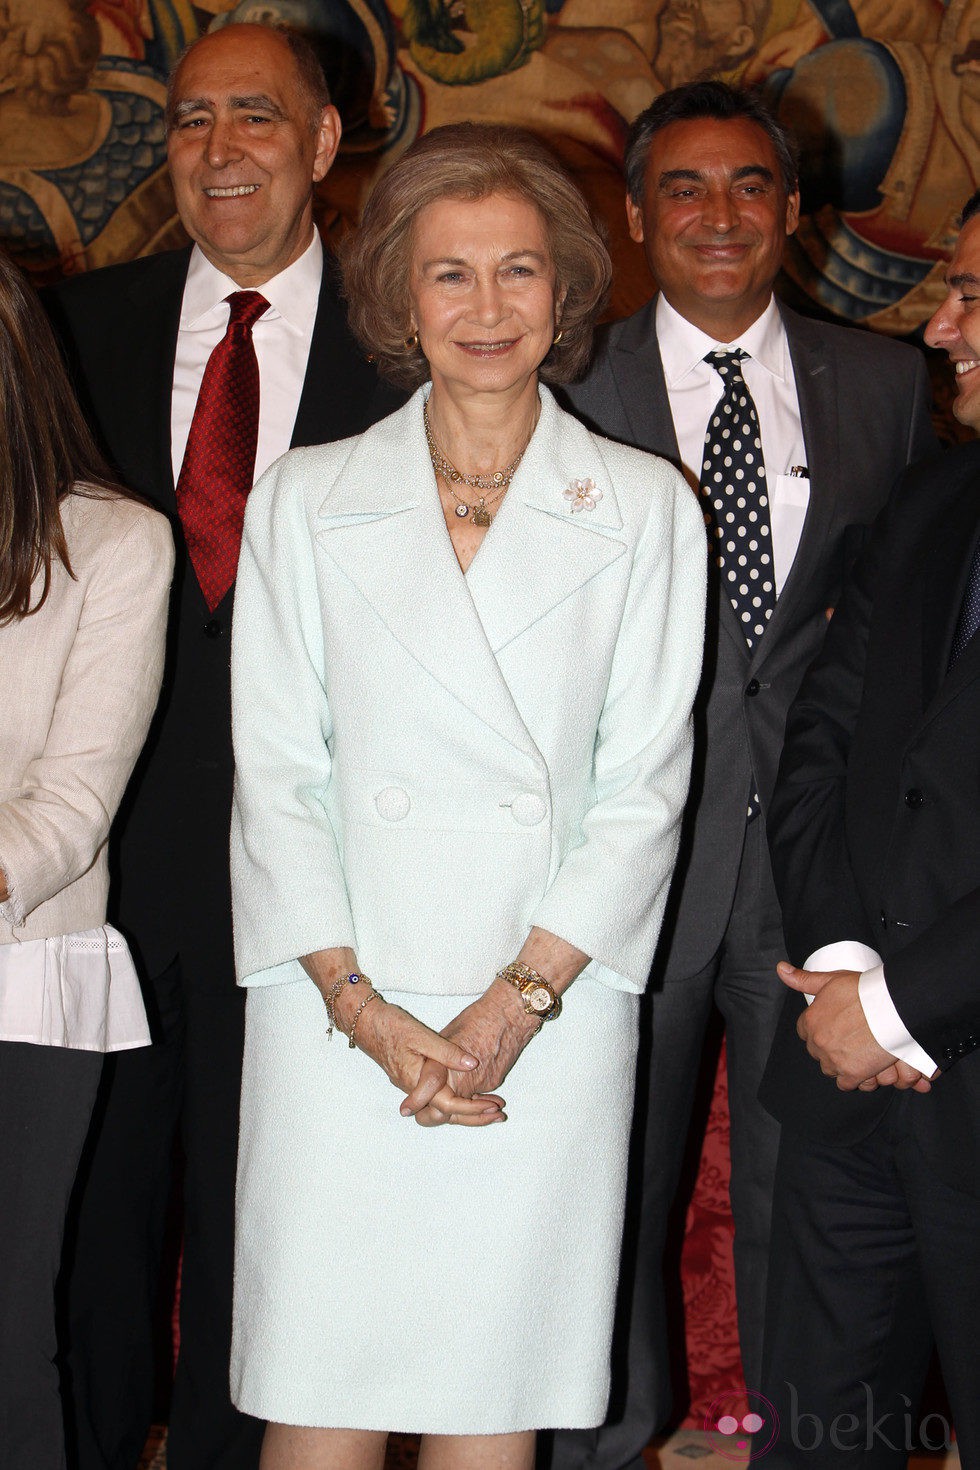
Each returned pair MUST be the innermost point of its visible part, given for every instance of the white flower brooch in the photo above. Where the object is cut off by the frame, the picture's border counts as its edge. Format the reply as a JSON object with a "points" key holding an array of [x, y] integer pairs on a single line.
{"points": [[583, 495]]}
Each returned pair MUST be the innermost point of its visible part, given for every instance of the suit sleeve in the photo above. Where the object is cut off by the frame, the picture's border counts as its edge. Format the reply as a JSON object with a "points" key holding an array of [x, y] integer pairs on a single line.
{"points": [[53, 829], [289, 895], [609, 894], [933, 982]]}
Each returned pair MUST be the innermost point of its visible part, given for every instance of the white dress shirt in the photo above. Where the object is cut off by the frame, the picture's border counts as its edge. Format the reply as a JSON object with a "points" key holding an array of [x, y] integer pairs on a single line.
{"points": [[282, 340], [694, 389]]}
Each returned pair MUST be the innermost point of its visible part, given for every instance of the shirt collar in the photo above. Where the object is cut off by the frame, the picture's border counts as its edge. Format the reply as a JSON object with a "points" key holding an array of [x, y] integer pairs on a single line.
{"points": [[683, 346], [293, 294]]}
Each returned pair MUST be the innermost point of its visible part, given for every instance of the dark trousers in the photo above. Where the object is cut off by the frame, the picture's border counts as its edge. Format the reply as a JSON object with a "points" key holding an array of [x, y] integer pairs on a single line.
{"points": [[742, 981], [192, 1074], [873, 1256], [46, 1098]]}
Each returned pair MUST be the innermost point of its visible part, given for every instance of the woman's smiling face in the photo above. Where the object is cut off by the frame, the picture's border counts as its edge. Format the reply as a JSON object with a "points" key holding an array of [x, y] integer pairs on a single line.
{"points": [[482, 287]]}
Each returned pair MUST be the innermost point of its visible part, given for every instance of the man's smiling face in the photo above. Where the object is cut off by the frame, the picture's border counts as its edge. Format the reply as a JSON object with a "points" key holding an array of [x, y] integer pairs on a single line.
{"points": [[246, 143], [956, 325], [713, 220]]}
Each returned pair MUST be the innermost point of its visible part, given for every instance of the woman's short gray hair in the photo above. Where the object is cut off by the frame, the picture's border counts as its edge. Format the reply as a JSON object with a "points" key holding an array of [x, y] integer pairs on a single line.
{"points": [[470, 161]]}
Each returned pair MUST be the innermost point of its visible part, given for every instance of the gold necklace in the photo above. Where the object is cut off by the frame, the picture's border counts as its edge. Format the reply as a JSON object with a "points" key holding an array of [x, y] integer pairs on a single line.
{"points": [[491, 486]]}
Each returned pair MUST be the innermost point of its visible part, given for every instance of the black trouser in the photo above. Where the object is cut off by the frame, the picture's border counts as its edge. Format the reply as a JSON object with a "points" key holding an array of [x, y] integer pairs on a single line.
{"points": [[873, 1255], [46, 1098], [192, 1072]]}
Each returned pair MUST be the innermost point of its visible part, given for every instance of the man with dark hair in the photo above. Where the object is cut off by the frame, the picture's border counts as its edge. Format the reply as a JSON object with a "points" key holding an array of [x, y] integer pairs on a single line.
{"points": [[792, 433], [875, 832], [198, 368]]}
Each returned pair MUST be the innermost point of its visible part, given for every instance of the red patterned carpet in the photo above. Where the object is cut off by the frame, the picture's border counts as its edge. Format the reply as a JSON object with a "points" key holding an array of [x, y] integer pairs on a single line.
{"points": [[707, 1271]]}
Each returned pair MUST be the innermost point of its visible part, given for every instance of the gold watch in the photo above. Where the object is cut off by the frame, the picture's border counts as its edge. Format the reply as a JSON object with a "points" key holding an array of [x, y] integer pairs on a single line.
{"points": [[537, 996]]}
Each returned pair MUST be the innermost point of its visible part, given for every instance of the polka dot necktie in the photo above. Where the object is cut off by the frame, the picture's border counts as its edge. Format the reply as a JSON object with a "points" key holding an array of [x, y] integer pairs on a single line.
{"points": [[736, 505], [219, 461], [969, 619]]}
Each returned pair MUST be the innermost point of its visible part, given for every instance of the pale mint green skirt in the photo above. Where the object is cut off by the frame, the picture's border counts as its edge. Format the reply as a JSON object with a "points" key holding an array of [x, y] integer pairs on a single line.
{"points": [[447, 1280]]}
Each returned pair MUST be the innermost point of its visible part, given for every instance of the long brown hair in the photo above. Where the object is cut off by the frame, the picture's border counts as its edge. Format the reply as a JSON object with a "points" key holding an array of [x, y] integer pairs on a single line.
{"points": [[46, 449]]}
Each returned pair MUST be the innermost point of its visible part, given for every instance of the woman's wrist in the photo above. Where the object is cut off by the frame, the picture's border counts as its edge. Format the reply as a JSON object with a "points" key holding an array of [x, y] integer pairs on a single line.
{"points": [[512, 1008], [355, 986]]}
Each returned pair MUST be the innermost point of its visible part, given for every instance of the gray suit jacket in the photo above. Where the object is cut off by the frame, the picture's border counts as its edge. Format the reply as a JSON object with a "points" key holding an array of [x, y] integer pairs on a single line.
{"points": [[864, 405]]}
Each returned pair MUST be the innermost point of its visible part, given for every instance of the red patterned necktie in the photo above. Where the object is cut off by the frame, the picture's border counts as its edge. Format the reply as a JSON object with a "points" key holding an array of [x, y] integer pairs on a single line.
{"points": [[219, 461]]}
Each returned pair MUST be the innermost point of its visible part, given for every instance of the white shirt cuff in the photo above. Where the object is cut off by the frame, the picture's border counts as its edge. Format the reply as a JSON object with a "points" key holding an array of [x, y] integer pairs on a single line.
{"points": [[887, 1026], [846, 954]]}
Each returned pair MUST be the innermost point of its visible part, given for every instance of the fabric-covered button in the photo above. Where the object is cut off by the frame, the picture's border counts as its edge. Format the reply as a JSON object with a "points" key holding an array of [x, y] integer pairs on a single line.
{"points": [[528, 809], [393, 803]]}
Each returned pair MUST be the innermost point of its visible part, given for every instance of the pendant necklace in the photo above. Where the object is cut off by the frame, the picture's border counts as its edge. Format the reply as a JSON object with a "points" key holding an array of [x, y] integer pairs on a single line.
{"points": [[491, 487]]}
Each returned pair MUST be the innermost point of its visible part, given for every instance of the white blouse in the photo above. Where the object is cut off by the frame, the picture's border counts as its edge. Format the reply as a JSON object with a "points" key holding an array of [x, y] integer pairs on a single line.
{"points": [[74, 990]]}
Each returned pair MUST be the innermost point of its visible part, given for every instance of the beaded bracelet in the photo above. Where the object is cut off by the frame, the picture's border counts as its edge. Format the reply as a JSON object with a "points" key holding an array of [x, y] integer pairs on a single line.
{"points": [[372, 995], [330, 999]]}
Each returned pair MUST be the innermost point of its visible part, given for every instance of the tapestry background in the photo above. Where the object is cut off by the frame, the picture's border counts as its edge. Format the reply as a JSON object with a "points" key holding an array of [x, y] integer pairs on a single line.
{"points": [[884, 96]]}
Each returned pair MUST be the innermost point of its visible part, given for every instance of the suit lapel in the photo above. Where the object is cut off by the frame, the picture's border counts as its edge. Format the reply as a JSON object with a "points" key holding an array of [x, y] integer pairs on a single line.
{"points": [[638, 372], [323, 413], [817, 391], [152, 353], [946, 564], [341, 392]]}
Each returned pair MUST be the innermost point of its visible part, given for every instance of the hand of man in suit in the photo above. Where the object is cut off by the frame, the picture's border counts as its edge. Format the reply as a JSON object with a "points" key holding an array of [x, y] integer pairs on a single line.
{"points": [[836, 1033]]}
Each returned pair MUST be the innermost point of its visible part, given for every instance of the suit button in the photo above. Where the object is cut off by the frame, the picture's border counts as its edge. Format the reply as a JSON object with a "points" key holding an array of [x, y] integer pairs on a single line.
{"points": [[213, 628], [914, 798], [393, 803], [752, 688], [528, 809], [884, 919]]}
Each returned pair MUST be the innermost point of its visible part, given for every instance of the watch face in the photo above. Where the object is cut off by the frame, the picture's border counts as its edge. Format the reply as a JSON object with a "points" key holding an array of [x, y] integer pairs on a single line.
{"points": [[538, 999]]}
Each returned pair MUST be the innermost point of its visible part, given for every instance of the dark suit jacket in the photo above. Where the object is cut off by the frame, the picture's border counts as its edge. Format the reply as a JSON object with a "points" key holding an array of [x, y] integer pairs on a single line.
{"points": [[864, 408], [875, 821], [119, 330]]}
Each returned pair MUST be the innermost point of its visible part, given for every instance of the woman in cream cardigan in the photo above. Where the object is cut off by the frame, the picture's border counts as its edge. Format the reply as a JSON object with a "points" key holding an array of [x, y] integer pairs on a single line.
{"points": [[84, 579], [466, 648]]}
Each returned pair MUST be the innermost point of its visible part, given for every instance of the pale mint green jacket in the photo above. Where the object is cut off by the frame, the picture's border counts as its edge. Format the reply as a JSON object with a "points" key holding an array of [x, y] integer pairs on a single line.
{"points": [[429, 763]]}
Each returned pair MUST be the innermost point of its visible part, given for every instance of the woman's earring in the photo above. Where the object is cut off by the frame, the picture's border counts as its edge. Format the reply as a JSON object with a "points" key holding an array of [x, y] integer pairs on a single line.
{"points": [[412, 342], [558, 339]]}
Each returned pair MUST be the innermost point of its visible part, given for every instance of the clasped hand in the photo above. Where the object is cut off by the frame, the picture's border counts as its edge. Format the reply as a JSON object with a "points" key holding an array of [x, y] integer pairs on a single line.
{"points": [[836, 1033], [421, 1063], [451, 1078]]}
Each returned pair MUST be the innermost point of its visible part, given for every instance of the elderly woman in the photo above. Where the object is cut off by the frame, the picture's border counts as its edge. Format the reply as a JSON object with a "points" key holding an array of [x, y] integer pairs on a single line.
{"points": [[84, 580], [466, 648]]}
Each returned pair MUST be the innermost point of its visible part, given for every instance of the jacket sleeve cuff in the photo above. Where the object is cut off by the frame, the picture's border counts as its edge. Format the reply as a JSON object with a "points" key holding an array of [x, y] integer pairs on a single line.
{"points": [[887, 1026]]}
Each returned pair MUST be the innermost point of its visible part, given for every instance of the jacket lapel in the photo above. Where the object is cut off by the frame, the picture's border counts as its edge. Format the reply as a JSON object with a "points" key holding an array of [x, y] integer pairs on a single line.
{"points": [[817, 391], [383, 526], [153, 351], [946, 564], [638, 372], [540, 551]]}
